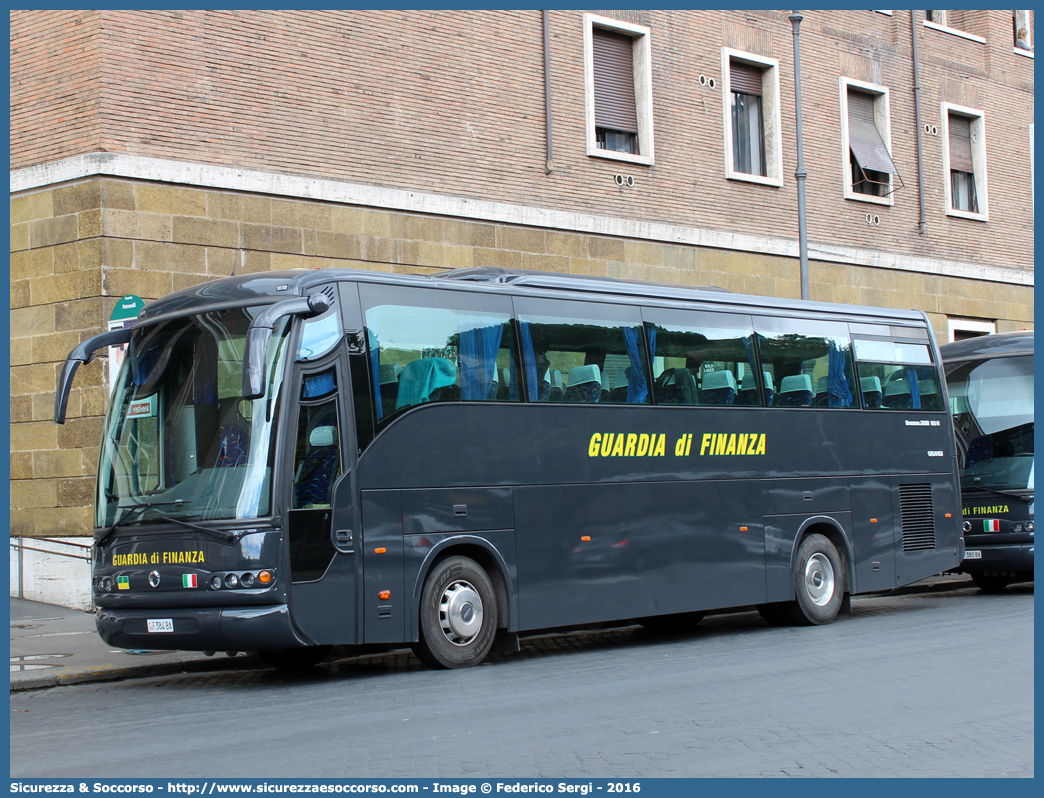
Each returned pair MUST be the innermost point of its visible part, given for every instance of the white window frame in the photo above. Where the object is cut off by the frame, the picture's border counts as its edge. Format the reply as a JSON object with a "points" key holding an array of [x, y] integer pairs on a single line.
{"points": [[969, 325], [642, 60], [978, 151], [1022, 20], [882, 119], [942, 26], [770, 116]]}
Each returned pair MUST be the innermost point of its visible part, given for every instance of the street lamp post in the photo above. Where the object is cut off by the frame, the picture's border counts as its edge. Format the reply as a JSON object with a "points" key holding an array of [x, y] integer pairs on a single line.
{"points": [[800, 173]]}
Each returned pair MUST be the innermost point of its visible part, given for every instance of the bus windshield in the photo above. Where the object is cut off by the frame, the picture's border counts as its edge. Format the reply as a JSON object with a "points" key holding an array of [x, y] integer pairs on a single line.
{"points": [[180, 438], [992, 405]]}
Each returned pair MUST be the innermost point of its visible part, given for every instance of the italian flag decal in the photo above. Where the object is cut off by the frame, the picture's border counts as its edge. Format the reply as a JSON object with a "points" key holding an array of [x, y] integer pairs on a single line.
{"points": [[123, 582], [991, 525], [188, 580]]}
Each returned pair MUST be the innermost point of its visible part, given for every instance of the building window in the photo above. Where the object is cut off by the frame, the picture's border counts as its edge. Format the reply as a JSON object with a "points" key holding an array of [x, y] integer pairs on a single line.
{"points": [[954, 22], [618, 79], [960, 329], [964, 159], [869, 172], [748, 131], [1022, 24], [751, 105]]}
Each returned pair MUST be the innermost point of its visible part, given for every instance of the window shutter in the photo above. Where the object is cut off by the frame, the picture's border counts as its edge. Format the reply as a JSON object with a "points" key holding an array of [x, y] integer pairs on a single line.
{"points": [[744, 78], [864, 138], [960, 143], [614, 81]]}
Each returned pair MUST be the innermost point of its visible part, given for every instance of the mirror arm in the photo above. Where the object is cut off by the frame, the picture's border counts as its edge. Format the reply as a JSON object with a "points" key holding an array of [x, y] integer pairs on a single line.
{"points": [[83, 353], [255, 349]]}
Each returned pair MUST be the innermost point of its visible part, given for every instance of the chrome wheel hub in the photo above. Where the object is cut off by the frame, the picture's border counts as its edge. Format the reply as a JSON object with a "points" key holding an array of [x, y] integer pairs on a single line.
{"points": [[819, 579], [460, 612]]}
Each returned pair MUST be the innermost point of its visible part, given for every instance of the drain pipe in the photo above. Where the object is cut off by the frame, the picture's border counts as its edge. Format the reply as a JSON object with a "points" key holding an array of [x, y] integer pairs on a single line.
{"points": [[800, 173], [917, 120], [549, 167]]}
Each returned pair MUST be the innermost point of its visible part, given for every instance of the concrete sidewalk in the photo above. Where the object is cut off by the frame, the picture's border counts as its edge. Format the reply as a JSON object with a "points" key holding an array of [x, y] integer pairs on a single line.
{"points": [[53, 646]]}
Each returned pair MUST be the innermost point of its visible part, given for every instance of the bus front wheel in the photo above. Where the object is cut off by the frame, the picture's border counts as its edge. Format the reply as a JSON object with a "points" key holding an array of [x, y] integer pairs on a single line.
{"points": [[818, 582], [458, 615], [991, 583]]}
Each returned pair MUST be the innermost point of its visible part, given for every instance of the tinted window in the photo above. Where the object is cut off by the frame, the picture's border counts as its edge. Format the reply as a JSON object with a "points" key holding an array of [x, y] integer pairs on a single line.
{"points": [[806, 363], [582, 352], [428, 346], [897, 376], [702, 358]]}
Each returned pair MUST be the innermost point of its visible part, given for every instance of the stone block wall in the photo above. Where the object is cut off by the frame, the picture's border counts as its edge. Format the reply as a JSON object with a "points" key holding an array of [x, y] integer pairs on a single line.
{"points": [[77, 248]]}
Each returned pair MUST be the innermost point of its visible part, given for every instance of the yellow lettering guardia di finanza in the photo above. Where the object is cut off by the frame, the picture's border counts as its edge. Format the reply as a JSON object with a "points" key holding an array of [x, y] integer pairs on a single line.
{"points": [[631, 444]]}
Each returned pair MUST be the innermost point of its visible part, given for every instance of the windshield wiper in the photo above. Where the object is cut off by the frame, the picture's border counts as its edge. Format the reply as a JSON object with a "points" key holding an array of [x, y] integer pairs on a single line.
{"points": [[137, 508], [1006, 493], [218, 533]]}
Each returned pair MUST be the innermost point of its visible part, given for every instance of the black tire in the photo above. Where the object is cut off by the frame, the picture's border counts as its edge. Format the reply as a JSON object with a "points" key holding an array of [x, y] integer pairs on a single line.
{"points": [[295, 659], [458, 615], [775, 614], [678, 622], [819, 583], [991, 583]]}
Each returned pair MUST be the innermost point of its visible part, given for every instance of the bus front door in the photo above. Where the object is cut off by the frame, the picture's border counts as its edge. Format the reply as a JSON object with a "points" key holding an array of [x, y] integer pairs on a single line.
{"points": [[320, 512]]}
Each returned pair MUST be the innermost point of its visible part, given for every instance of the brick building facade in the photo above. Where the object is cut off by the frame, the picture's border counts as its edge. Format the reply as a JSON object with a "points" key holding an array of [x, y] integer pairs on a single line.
{"points": [[151, 151]]}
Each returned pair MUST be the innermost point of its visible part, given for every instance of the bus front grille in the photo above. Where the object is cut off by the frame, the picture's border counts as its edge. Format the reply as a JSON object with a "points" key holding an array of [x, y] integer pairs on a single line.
{"points": [[918, 517]]}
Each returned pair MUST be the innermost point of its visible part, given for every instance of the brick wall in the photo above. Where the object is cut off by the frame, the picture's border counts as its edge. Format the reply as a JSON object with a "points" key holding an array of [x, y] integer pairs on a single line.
{"points": [[452, 102], [77, 248]]}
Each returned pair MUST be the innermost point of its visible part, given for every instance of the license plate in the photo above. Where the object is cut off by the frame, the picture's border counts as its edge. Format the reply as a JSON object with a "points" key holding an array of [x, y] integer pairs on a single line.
{"points": [[973, 554], [160, 625]]}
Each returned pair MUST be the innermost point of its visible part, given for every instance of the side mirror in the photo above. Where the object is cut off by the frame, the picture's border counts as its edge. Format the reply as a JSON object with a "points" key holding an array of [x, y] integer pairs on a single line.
{"points": [[255, 350], [83, 354]]}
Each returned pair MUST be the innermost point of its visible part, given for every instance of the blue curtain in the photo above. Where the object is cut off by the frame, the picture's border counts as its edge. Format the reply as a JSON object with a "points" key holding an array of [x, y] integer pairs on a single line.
{"points": [[637, 388], [478, 359], [915, 389], [318, 384], [529, 362], [375, 362], [513, 394], [142, 366], [838, 392], [651, 330], [204, 378]]}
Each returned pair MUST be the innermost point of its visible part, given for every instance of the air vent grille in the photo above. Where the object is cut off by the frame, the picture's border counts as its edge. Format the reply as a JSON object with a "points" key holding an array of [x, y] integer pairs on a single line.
{"points": [[918, 517]]}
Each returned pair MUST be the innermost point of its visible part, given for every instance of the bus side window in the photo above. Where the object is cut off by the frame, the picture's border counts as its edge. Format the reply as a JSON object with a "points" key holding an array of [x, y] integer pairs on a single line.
{"points": [[702, 358], [582, 352], [427, 347], [897, 376], [809, 362]]}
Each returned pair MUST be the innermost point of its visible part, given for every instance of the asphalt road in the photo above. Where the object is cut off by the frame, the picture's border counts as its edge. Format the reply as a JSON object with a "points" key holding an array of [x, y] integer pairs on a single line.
{"points": [[927, 684]]}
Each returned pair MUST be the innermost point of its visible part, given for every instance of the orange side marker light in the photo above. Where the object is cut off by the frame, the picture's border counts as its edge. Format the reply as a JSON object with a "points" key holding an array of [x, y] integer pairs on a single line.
{"points": [[384, 595], [379, 551], [949, 515], [743, 529], [873, 520], [585, 538]]}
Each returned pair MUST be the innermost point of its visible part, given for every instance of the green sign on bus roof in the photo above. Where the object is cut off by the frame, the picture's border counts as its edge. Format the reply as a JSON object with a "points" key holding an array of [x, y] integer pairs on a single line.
{"points": [[127, 307]]}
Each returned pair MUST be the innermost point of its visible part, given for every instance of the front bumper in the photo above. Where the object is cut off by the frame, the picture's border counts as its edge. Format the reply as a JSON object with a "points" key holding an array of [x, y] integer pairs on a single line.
{"points": [[998, 558], [202, 628]]}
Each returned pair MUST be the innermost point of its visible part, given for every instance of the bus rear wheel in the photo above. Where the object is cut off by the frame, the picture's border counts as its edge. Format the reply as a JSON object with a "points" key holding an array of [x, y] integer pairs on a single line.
{"points": [[295, 659], [458, 615], [818, 583], [991, 583]]}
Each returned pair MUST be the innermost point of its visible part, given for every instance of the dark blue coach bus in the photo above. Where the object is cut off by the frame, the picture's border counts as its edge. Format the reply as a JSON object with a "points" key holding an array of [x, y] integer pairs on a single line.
{"points": [[990, 381], [304, 459]]}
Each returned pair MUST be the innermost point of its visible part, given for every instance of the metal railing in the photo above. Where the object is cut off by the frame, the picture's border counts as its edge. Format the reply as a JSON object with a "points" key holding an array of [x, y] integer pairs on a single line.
{"points": [[81, 551]]}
